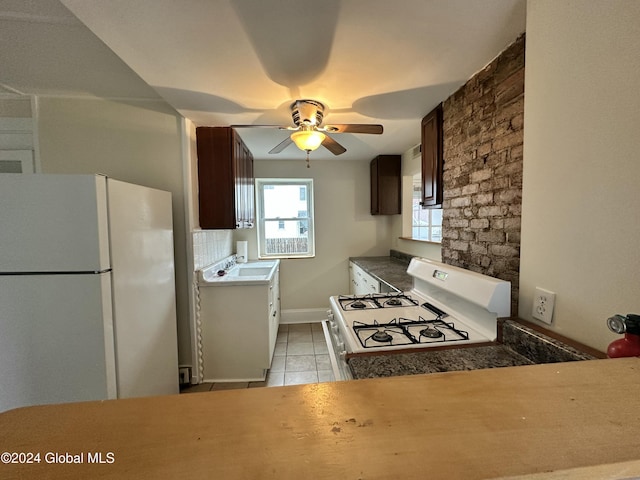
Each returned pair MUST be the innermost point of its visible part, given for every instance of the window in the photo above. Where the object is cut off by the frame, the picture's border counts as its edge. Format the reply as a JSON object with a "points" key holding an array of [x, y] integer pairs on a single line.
{"points": [[426, 223], [285, 217]]}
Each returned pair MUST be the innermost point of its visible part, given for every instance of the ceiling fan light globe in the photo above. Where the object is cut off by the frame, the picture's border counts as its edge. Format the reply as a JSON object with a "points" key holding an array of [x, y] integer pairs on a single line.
{"points": [[308, 140]]}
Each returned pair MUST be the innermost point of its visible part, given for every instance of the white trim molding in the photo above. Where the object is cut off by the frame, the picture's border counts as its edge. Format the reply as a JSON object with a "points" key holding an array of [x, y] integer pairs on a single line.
{"points": [[303, 315]]}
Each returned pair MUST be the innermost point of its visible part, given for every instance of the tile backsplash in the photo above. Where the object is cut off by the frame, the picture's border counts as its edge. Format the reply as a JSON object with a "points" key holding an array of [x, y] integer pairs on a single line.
{"points": [[209, 246]]}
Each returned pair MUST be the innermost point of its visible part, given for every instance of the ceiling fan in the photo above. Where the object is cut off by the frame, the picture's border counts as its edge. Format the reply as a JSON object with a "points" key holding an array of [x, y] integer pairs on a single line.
{"points": [[308, 133]]}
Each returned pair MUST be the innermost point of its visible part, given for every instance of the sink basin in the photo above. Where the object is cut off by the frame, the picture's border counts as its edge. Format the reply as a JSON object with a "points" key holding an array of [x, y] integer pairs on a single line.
{"points": [[250, 273], [247, 272], [241, 271]]}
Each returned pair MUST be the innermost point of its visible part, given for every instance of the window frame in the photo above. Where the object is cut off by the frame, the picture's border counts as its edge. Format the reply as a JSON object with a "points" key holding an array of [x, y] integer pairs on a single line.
{"points": [[429, 229], [412, 184], [260, 184]]}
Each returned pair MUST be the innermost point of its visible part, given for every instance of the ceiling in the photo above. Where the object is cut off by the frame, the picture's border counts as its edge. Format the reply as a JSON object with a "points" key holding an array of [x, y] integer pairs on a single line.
{"points": [[224, 62]]}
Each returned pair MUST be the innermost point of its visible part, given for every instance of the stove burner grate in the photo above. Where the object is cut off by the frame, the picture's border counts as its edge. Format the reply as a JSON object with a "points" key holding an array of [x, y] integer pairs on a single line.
{"points": [[403, 331], [372, 335], [430, 331], [376, 300]]}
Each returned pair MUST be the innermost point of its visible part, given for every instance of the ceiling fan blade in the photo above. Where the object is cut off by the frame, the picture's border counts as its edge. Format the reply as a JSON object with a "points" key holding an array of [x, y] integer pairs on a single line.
{"points": [[282, 145], [257, 126], [354, 128], [333, 146]]}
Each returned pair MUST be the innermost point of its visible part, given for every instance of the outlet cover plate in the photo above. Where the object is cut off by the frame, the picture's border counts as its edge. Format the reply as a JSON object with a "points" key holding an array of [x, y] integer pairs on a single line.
{"points": [[543, 303]]}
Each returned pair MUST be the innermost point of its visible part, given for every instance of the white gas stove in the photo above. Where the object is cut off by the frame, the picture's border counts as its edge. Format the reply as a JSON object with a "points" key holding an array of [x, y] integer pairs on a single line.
{"points": [[446, 306]]}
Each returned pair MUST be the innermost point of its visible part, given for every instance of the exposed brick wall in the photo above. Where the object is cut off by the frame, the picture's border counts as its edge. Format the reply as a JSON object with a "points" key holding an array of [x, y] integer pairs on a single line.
{"points": [[483, 132]]}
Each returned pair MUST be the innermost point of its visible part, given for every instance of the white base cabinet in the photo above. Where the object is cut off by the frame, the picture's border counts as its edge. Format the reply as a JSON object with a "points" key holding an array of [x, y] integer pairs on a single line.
{"points": [[360, 282], [239, 326]]}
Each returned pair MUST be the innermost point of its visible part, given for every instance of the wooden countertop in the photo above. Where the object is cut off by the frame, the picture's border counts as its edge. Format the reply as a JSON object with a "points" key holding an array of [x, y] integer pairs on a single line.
{"points": [[513, 421]]}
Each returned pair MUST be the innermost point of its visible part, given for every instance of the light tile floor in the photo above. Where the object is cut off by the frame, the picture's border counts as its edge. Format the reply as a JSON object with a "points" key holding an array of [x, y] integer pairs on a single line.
{"points": [[301, 356]]}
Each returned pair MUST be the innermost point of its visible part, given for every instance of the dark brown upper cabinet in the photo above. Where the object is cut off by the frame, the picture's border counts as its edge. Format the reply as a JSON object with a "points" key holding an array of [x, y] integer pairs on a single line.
{"points": [[432, 161], [225, 179], [386, 185]]}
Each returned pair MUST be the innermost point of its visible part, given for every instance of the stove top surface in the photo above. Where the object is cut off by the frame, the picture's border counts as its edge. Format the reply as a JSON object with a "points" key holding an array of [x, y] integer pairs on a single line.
{"points": [[399, 321], [447, 305]]}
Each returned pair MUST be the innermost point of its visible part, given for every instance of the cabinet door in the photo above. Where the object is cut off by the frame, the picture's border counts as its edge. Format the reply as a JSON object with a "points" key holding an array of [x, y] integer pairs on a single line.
{"points": [[274, 313], [432, 161], [373, 176], [225, 179], [361, 282], [371, 285], [216, 177], [249, 189], [239, 173], [386, 185], [353, 282]]}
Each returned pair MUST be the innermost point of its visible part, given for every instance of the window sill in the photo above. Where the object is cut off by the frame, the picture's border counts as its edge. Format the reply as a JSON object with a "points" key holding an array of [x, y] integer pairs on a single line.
{"points": [[285, 257], [421, 241]]}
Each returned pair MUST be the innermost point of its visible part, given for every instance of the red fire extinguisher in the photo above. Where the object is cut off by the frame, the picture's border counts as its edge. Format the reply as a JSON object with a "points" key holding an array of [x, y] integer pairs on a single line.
{"points": [[629, 346]]}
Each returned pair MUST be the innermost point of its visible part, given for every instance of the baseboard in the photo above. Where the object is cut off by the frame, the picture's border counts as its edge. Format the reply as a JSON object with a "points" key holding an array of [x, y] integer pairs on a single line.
{"points": [[303, 315]]}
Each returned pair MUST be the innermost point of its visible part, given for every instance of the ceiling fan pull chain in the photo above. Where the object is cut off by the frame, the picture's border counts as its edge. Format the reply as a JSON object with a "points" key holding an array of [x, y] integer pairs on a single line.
{"points": [[308, 166]]}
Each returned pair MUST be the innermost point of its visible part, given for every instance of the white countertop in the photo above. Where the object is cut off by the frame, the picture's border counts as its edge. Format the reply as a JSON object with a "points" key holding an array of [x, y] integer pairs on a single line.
{"points": [[254, 272]]}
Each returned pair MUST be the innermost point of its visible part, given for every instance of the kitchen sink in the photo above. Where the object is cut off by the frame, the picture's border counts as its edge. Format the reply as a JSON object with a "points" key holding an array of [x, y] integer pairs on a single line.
{"points": [[249, 273], [243, 271]]}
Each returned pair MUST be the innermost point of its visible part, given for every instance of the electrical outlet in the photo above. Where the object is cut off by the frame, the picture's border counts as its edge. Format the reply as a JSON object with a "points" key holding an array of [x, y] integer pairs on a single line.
{"points": [[543, 303]]}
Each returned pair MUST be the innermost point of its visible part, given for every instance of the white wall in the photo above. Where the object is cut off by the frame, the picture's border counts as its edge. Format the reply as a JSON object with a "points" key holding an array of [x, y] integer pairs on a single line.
{"points": [[137, 142], [343, 225], [581, 196]]}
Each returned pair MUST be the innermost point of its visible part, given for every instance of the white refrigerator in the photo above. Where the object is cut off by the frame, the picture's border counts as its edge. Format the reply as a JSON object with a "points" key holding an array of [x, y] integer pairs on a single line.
{"points": [[87, 290]]}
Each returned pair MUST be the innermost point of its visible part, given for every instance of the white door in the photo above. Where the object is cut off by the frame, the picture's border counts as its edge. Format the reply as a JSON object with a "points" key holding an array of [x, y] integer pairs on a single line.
{"points": [[56, 339], [141, 235]]}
